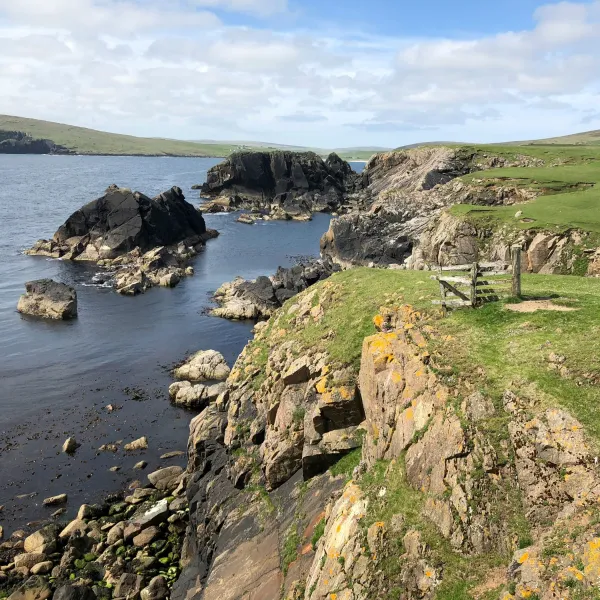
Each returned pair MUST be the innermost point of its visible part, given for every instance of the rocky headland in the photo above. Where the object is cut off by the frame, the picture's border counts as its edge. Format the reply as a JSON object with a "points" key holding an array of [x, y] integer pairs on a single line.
{"points": [[139, 241], [18, 142], [280, 184]]}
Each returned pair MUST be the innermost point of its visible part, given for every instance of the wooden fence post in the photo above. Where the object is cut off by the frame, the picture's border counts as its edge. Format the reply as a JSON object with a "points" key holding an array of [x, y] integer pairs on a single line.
{"points": [[516, 274], [474, 272]]}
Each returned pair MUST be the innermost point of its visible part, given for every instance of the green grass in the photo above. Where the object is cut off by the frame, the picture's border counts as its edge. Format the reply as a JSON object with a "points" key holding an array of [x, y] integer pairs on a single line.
{"points": [[358, 295], [289, 552], [318, 533], [346, 465], [570, 193], [513, 348]]}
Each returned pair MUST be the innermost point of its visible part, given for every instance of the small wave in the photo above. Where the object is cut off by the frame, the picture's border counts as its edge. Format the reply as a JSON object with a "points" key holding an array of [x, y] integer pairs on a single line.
{"points": [[104, 284]]}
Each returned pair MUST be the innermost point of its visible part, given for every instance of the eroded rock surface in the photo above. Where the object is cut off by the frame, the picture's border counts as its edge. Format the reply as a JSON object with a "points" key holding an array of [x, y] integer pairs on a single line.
{"points": [[48, 299]]}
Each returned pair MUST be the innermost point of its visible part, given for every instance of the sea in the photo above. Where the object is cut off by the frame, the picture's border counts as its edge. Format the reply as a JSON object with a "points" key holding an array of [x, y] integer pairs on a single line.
{"points": [[58, 378]]}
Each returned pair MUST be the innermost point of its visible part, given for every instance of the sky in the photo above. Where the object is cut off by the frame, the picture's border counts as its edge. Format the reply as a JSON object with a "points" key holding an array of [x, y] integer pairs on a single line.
{"points": [[320, 73]]}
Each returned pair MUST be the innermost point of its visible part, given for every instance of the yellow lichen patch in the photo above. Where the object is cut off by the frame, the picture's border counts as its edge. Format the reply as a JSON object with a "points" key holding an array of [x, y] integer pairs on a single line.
{"points": [[428, 573], [321, 385], [325, 370], [396, 377], [333, 596], [380, 524], [523, 557], [410, 413], [378, 321], [591, 559]]}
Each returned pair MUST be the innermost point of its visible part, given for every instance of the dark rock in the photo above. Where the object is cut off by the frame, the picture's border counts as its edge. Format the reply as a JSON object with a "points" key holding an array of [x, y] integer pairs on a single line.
{"points": [[74, 592], [368, 239], [291, 184], [125, 220], [18, 142], [129, 586], [48, 299]]}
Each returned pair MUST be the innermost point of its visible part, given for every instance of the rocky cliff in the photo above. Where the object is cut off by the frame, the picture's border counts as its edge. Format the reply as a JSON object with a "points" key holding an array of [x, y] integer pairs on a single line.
{"points": [[286, 185], [456, 492], [401, 192], [17, 142], [143, 241], [453, 240]]}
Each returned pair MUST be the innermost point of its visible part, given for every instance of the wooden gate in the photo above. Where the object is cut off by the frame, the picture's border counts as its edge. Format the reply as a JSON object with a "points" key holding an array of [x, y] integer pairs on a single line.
{"points": [[480, 283]]}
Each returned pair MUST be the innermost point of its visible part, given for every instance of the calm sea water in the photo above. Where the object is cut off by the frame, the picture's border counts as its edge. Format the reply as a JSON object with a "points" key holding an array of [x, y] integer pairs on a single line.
{"points": [[57, 378]]}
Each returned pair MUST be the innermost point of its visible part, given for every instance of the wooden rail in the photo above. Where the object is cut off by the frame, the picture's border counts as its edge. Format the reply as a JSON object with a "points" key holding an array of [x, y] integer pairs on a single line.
{"points": [[482, 282]]}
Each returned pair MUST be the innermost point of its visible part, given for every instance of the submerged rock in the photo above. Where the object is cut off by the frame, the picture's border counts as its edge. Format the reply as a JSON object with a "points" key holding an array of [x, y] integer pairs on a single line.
{"points": [[48, 299]]}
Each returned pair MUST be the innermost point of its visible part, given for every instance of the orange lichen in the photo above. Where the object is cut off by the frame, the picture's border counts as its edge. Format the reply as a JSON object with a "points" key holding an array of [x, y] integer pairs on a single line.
{"points": [[321, 385], [378, 321], [523, 557]]}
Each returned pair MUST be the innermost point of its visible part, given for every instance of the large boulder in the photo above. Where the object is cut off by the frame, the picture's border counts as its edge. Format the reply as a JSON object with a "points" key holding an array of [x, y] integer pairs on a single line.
{"points": [[48, 299], [144, 242], [122, 220], [202, 366], [288, 184]]}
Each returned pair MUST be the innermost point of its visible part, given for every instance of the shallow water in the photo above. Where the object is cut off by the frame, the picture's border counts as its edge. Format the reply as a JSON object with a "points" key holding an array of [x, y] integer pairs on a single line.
{"points": [[57, 378]]}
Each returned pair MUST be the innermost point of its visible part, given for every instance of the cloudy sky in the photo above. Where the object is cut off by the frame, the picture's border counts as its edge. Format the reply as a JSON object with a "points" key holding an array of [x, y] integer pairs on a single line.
{"points": [[326, 73]]}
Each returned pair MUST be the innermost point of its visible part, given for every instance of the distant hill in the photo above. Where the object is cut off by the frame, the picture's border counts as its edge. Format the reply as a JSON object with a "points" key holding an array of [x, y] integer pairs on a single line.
{"points": [[587, 138], [81, 140]]}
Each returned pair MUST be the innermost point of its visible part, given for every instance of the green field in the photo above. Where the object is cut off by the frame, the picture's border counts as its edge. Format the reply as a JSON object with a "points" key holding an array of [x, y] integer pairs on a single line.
{"points": [[568, 183], [89, 141]]}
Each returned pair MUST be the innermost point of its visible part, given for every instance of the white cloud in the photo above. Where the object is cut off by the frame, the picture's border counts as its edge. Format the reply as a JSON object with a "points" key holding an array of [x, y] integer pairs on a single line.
{"points": [[177, 69]]}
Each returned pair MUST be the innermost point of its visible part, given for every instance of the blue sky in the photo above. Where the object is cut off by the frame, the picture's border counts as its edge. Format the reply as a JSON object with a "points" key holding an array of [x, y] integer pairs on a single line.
{"points": [[307, 72]]}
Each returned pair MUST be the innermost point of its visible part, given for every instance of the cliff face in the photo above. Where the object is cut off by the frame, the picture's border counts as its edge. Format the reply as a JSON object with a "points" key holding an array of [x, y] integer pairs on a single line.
{"points": [[402, 192], [17, 142], [456, 493], [282, 183], [450, 240]]}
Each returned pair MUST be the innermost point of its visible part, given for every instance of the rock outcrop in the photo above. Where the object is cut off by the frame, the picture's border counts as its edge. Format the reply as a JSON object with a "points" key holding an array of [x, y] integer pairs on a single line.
{"points": [[145, 241], [18, 142], [402, 192], [285, 185], [448, 240], [241, 299], [48, 299]]}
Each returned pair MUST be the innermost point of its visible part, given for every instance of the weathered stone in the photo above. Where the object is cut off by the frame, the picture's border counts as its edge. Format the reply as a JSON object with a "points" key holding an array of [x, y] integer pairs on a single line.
{"points": [[157, 589], [183, 393], [48, 299], [54, 500], [146, 537], [75, 526], [129, 586], [140, 465], [202, 366], [35, 588], [42, 568], [115, 534], [165, 479], [42, 541], [74, 592], [29, 560], [156, 515], [70, 445], [298, 372], [139, 444]]}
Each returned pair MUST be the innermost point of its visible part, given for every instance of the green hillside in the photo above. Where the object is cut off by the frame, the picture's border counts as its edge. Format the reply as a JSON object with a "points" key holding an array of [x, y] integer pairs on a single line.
{"points": [[568, 182], [89, 141]]}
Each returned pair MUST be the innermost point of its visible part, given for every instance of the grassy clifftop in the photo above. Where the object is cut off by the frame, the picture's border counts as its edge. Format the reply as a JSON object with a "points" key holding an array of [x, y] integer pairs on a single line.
{"points": [[567, 182]]}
